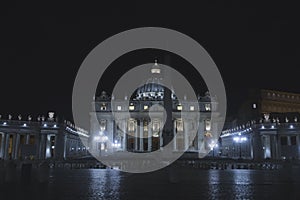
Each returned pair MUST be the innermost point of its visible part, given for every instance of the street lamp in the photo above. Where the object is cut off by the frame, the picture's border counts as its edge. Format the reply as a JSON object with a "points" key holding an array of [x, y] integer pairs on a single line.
{"points": [[240, 140], [116, 144]]}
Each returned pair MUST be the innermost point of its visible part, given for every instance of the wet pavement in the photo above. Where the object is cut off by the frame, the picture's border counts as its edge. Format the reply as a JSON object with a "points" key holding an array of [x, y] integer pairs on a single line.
{"points": [[169, 183]]}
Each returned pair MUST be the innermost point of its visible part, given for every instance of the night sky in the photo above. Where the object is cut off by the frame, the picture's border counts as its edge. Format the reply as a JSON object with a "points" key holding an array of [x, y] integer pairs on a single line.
{"points": [[42, 46]]}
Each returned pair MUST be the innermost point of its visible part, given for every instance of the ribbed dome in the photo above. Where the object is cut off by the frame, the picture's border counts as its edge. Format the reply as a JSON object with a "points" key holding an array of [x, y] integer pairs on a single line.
{"points": [[152, 89]]}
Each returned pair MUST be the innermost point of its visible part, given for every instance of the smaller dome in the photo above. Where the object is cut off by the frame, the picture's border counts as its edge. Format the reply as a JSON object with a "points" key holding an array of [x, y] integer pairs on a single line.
{"points": [[155, 69], [103, 96]]}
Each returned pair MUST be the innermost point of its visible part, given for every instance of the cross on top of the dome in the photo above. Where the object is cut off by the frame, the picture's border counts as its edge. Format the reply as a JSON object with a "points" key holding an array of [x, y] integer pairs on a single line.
{"points": [[155, 68]]}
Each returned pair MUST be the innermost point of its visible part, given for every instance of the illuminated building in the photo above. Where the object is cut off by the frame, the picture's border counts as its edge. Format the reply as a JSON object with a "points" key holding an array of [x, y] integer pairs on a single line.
{"points": [[269, 127], [133, 133], [44, 138]]}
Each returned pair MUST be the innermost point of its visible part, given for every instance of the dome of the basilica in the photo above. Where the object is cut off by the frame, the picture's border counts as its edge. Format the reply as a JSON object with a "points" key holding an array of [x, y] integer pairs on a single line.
{"points": [[153, 88]]}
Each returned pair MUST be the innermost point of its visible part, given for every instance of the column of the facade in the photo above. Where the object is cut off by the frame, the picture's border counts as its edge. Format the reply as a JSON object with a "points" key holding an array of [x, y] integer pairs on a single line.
{"points": [[186, 135], [136, 135], [111, 131], [200, 133], [141, 139], [16, 146], [161, 140], [149, 137], [124, 128], [174, 136]]}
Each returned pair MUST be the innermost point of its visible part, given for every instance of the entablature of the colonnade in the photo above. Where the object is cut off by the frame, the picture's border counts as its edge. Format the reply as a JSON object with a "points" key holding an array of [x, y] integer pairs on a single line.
{"points": [[263, 128]]}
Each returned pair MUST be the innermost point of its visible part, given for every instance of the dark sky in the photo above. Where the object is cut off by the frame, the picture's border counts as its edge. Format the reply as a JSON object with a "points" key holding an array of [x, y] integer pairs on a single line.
{"points": [[254, 45]]}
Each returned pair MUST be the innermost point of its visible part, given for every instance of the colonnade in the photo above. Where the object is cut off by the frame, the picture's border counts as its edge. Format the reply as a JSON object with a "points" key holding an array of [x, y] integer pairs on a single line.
{"points": [[27, 146]]}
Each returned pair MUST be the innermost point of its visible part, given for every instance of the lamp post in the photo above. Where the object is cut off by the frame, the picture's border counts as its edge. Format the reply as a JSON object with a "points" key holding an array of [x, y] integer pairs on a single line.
{"points": [[240, 140]]}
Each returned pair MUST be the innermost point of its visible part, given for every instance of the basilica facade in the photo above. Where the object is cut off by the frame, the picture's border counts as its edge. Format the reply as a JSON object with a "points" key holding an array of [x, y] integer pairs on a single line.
{"points": [[133, 133]]}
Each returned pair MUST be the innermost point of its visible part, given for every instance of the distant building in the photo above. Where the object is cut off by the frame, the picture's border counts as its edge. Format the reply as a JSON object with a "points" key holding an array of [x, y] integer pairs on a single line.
{"points": [[268, 101], [44, 138], [268, 128]]}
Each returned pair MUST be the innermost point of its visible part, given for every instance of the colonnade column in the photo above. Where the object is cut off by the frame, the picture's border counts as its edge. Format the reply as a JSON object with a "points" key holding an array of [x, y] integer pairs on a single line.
{"points": [[42, 147], [37, 144], [27, 138], [13, 146], [274, 147], [279, 146], [6, 146], [2, 150], [16, 146], [65, 147]]}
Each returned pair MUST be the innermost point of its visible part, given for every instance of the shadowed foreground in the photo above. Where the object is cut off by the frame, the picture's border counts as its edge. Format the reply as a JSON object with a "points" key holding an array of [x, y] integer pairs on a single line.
{"points": [[169, 183]]}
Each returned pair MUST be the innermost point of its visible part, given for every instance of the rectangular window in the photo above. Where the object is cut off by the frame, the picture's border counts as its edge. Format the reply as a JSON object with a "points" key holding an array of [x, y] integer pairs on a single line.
{"points": [[293, 140], [145, 107], [192, 108], [179, 107], [131, 107], [283, 140], [207, 107], [119, 107]]}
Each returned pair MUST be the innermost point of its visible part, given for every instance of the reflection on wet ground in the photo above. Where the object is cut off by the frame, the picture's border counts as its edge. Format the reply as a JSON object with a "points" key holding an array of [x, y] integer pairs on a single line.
{"points": [[169, 183]]}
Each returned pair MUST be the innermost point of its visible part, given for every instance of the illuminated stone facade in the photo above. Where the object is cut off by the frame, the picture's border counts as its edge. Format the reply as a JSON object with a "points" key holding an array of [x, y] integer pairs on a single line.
{"points": [[261, 140], [108, 133], [42, 139], [273, 134]]}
